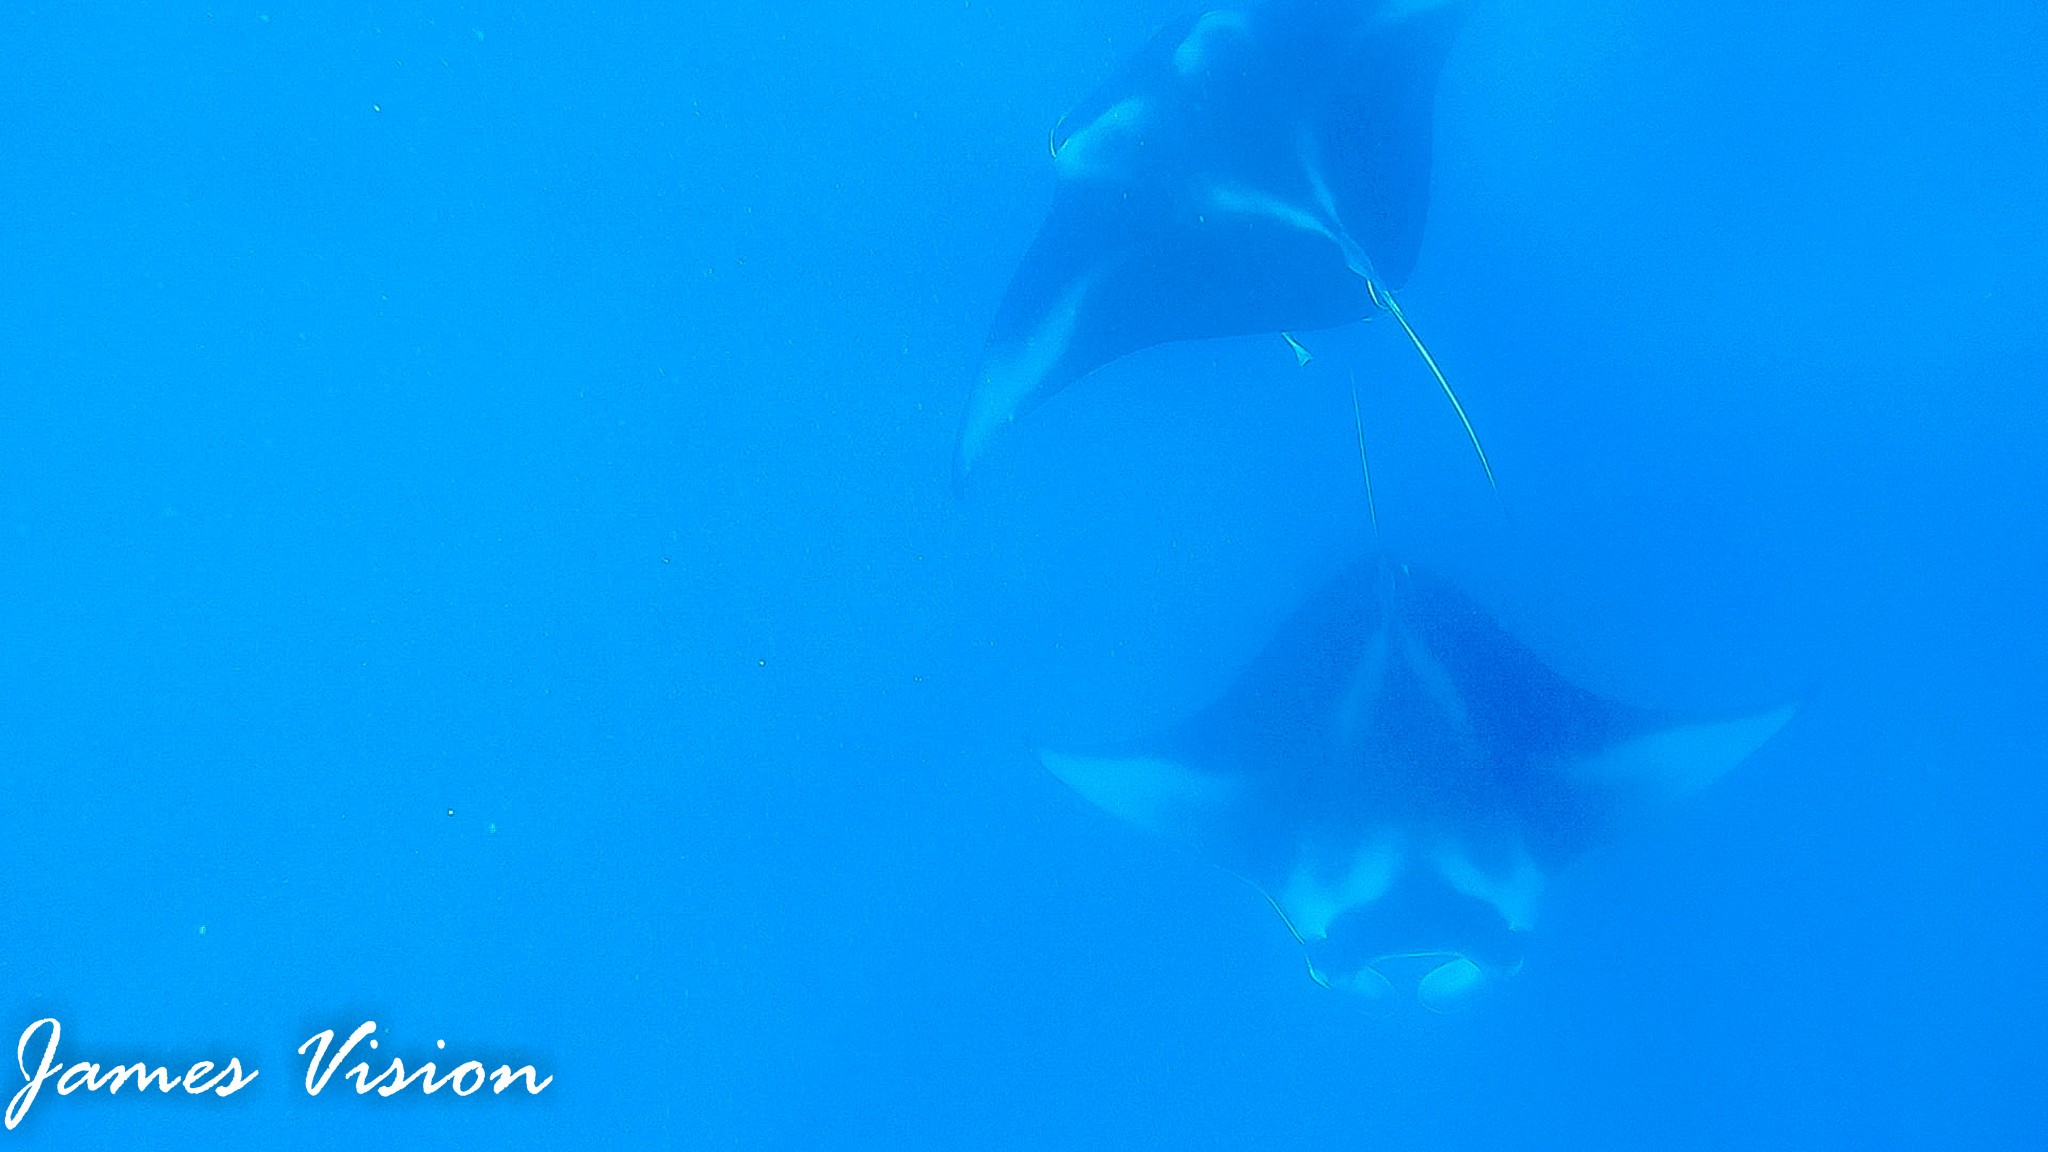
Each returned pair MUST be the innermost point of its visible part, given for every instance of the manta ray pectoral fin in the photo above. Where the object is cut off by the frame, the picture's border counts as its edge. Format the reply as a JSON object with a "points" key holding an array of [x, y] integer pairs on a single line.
{"points": [[1091, 151], [1016, 375], [1153, 793], [1191, 55], [1674, 762]]}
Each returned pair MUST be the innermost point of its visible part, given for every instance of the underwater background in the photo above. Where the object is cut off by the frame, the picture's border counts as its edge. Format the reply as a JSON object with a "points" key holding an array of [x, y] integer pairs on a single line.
{"points": [[478, 553]]}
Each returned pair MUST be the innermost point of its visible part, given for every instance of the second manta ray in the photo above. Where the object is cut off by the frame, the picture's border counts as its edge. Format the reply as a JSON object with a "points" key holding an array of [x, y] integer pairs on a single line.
{"points": [[1256, 169], [1400, 777]]}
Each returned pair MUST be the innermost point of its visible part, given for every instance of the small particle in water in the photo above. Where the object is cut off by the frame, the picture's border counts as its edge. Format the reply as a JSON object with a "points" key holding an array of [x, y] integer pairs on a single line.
{"points": [[493, 829], [761, 663], [202, 929], [451, 811]]}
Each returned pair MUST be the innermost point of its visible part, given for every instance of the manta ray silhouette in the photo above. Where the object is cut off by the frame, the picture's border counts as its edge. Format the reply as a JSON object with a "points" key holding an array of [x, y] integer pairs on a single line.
{"points": [[1400, 777], [1254, 169]]}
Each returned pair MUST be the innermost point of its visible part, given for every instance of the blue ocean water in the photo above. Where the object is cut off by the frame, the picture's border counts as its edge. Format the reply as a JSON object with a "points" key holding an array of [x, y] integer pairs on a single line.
{"points": [[480, 556]]}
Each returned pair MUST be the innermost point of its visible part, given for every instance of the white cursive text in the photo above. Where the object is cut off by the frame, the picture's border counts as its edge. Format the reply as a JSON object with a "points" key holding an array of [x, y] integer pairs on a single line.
{"points": [[198, 1080]]}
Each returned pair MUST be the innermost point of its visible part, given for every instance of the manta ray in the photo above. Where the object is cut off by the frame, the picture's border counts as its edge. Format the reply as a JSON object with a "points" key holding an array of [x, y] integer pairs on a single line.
{"points": [[1254, 169], [1401, 778]]}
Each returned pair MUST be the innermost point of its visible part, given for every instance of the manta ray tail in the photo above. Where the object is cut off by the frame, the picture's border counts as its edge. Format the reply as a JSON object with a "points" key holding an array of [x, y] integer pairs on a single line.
{"points": [[1386, 300], [1372, 508]]}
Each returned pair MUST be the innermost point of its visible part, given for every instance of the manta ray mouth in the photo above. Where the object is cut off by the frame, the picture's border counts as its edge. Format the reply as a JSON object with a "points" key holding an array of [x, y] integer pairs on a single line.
{"points": [[1450, 944], [1442, 982]]}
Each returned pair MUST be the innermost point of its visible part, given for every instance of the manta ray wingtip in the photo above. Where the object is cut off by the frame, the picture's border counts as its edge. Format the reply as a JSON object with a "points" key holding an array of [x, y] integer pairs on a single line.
{"points": [[967, 453], [962, 465], [1678, 760]]}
